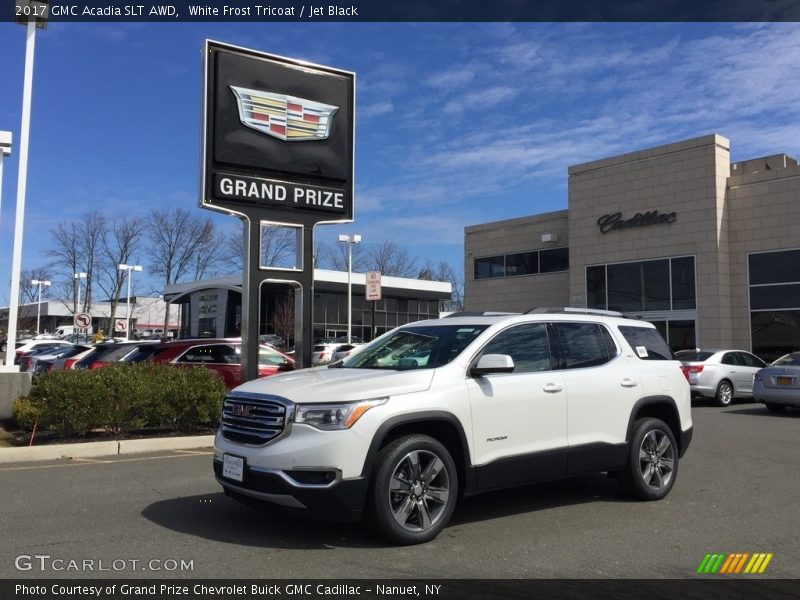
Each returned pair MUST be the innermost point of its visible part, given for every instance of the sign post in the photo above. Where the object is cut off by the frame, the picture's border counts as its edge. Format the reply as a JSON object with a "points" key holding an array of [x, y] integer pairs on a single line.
{"points": [[373, 295], [278, 147]]}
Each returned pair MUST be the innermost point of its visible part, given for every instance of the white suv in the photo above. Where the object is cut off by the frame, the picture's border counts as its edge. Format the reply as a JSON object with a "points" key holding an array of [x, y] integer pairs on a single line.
{"points": [[443, 408]]}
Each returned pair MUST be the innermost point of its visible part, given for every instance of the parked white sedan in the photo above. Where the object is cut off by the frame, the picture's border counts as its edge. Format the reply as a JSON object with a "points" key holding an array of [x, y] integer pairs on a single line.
{"points": [[720, 374]]}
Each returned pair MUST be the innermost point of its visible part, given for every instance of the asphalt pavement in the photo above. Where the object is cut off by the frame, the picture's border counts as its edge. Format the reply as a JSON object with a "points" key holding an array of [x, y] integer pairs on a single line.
{"points": [[163, 515]]}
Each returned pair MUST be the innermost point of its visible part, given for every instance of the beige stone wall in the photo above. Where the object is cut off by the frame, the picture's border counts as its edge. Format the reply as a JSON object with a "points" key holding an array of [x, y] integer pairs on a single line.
{"points": [[688, 178], [763, 208], [515, 294]]}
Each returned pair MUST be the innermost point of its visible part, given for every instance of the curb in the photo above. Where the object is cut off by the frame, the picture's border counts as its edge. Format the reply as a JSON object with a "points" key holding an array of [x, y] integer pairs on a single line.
{"points": [[96, 449]]}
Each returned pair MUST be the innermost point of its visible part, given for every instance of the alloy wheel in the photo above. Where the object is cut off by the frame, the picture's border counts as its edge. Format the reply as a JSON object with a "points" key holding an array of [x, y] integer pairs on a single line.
{"points": [[419, 490], [656, 460]]}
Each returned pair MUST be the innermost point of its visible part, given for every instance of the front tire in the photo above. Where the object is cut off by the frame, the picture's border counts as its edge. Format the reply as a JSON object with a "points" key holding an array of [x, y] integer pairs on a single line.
{"points": [[652, 462], [724, 394], [414, 490]]}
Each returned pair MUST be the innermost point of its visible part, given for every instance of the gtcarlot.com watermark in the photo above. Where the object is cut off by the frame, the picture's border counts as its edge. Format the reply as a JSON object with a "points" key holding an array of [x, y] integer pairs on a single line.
{"points": [[49, 563]]}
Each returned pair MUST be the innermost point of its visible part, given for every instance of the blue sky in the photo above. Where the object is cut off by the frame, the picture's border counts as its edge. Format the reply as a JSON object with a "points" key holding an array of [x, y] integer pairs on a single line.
{"points": [[456, 123]]}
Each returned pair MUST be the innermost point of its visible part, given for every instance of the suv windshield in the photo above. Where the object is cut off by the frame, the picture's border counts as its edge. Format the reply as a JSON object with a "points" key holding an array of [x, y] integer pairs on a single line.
{"points": [[416, 348]]}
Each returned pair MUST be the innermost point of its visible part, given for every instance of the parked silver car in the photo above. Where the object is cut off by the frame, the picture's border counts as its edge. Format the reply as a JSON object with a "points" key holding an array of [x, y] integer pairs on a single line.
{"points": [[778, 385], [720, 374]]}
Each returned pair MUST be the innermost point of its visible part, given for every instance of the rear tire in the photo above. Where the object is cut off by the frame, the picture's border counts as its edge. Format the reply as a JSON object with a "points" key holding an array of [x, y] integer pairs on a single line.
{"points": [[414, 490], [652, 460], [775, 408], [724, 394]]}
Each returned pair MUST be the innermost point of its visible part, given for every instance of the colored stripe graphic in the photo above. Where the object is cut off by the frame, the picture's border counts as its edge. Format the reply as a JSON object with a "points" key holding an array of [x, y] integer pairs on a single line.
{"points": [[734, 563]]}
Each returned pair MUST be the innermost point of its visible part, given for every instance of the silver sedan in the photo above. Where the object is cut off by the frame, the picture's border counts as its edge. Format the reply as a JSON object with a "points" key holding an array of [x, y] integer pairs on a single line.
{"points": [[720, 374], [778, 385]]}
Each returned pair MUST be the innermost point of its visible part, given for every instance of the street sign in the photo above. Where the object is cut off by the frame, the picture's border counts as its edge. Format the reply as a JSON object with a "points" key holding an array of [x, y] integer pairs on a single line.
{"points": [[373, 285], [82, 320], [120, 325]]}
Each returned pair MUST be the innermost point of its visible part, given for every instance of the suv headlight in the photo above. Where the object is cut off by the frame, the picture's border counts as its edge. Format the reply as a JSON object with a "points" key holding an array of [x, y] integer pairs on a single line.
{"points": [[334, 416]]}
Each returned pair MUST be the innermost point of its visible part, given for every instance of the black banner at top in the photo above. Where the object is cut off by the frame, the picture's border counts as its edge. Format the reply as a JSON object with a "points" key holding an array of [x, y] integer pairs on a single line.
{"points": [[402, 10]]}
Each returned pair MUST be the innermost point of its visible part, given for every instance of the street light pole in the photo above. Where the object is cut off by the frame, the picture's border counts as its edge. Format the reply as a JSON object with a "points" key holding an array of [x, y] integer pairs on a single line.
{"points": [[40, 283], [129, 269], [79, 276], [40, 9], [350, 241], [5, 150]]}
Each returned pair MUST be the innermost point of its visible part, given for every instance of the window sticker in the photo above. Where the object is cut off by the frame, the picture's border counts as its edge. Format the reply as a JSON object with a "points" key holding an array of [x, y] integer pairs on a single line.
{"points": [[641, 351]]}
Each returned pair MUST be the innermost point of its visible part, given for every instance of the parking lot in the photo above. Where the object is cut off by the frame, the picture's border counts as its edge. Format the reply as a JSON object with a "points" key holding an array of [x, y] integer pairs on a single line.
{"points": [[737, 491]]}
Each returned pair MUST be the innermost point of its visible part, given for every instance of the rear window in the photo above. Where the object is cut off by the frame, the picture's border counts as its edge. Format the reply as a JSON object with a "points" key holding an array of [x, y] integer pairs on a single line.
{"points": [[646, 342], [693, 356], [789, 359]]}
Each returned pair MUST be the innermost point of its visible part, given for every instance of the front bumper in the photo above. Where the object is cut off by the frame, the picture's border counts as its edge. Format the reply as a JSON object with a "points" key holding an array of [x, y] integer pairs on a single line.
{"points": [[341, 500]]}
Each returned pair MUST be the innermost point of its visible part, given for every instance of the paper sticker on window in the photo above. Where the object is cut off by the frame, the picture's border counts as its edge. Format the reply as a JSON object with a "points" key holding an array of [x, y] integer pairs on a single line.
{"points": [[641, 351]]}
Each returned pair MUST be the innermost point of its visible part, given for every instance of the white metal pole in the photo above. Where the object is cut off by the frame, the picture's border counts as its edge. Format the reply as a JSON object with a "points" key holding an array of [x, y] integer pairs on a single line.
{"points": [[22, 180], [79, 295], [39, 308], [349, 291], [128, 328]]}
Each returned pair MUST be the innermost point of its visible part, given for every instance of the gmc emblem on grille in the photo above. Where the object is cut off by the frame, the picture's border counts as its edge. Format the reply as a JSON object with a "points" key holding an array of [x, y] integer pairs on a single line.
{"points": [[243, 410]]}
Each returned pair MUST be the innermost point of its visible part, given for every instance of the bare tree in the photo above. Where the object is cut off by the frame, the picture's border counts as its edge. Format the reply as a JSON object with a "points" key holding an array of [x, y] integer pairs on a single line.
{"points": [[278, 244], [182, 246], [283, 317], [337, 257], [28, 292], [122, 243], [390, 259], [76, 249], [443, 271]]}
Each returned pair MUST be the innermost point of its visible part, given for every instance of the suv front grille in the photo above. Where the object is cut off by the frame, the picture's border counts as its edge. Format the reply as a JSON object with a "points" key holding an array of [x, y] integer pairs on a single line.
{"points": [[254, 420]]}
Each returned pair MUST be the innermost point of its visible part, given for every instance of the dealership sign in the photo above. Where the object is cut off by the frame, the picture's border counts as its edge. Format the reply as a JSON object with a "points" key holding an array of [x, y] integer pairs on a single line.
{"points": [[615, 220], [278, 137]]}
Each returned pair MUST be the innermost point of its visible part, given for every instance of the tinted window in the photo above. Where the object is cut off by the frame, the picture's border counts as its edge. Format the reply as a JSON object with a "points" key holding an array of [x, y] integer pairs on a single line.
{"points": [[143, 353], [748, 360], [692, 355], [683, 292], [580, 345], [647, 343], [730, 358], [217, 353], [775, 296], [526, 344], [596, 287], [775, 267], [492, 266], [790, 359], [526, 263], [554, 260]]}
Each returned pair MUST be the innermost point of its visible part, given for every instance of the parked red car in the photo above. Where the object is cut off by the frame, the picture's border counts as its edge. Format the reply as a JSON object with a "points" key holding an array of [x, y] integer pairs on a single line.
{"points": [[222, 356]]}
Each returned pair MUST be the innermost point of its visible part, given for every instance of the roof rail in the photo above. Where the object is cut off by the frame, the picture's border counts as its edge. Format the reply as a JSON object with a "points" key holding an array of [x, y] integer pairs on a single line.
{"points": [[485, 313], [573, 311]]}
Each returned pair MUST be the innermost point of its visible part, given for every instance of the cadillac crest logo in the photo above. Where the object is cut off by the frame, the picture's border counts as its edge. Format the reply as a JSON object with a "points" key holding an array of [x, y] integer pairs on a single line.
{"points": [[287, 118]]}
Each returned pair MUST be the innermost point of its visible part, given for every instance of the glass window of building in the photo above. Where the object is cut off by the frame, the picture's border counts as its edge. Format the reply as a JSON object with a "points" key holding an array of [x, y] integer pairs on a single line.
{"points": [[774, 302], [491, 266], [555, 260], [652, 285], [525, 263]]}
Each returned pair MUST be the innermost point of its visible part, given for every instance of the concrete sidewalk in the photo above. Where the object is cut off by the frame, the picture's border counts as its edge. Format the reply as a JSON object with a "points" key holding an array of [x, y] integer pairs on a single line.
{"points": [[95, 449]]}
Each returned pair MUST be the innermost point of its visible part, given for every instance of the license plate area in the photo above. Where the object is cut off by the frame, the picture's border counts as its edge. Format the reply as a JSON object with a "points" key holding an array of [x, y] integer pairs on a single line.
{"points": [[785, 380], [233, 467]]}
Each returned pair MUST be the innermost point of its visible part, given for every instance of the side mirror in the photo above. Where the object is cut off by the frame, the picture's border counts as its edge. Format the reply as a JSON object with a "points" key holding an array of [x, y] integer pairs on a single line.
{"points": [[492, 363]]}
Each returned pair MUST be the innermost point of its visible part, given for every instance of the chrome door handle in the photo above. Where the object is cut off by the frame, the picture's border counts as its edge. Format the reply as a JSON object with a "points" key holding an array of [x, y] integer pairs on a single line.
{"points": [[628, 383], [552, 388]]}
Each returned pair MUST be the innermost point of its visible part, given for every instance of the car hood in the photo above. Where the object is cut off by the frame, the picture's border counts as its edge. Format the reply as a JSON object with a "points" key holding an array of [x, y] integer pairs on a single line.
{"points": [[339, 384]]}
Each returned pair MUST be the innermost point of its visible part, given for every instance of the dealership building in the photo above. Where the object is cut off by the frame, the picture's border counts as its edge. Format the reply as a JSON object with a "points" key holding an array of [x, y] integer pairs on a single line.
{"points": [[706, 249], [213, 307]]}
